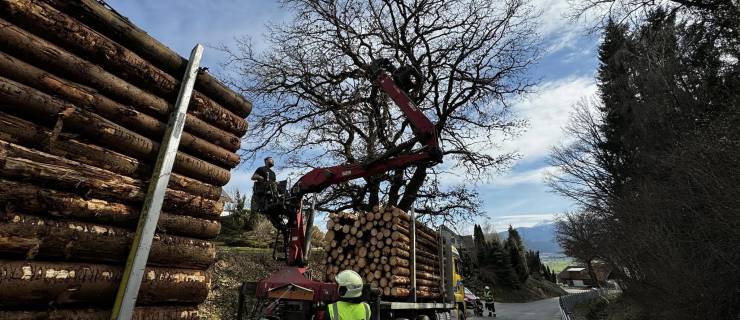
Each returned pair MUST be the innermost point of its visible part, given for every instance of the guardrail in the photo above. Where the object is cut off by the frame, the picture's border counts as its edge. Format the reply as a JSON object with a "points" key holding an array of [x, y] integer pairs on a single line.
{"points": [[568, 302]]}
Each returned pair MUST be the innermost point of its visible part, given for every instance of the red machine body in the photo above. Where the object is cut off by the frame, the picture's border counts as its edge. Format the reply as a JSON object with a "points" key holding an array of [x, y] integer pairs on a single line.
{"points": [[290, 283]]}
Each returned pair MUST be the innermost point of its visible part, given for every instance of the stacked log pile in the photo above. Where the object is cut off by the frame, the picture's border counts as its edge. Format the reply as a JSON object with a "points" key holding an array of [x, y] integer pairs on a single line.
{"points": [[377, 245], [85, 97]]}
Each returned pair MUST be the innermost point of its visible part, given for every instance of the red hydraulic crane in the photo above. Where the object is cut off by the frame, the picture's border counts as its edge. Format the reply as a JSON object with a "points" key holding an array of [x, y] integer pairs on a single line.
{"points": [[297, 293]]}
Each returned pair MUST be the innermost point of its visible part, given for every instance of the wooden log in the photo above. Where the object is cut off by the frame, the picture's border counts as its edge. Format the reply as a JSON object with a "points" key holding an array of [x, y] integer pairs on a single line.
{"points": [[387, 291], [383, 282], [402, 246], [27, 134], [401, 271], [421, 239], [140, 313], [386, 233], [387, 216], [400, 253], [48, 202], [31, 283], [329, 236], [425, 282], [30, 237], [427, 275], [427, 294], [23, 163], [81, 39], [396, 261], [400, 292], [400, 280], [397, 236], [124, 32], [420, 258], [19, 98], [125, 116], [362, 252], [72, 67]]}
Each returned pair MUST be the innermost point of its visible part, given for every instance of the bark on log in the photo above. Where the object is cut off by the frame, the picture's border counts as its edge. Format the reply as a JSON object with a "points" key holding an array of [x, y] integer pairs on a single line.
{"points": [[401, 271], [426, 275], [79, 38], [124, 32], [23, 163], [200, 106], [396, 261], [27, 134], [400, 280], [31, 283], [140, 313], [400, 292], [47, 202], [126, 116], [19, 98], [29, 237]]}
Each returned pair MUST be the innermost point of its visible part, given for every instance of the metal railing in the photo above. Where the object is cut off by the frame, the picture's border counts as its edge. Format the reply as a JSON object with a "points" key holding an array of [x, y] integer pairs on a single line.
{"points": [[568, 302]]}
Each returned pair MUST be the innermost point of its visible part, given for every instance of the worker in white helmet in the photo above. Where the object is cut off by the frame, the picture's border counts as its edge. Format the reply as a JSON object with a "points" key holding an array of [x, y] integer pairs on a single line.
{"points": [[350, 305], [488, 296]]}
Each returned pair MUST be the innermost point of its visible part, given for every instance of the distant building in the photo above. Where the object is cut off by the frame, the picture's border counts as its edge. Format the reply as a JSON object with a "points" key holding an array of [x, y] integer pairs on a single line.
{"points": [[460, 242], [578, 276], [451, 236]]}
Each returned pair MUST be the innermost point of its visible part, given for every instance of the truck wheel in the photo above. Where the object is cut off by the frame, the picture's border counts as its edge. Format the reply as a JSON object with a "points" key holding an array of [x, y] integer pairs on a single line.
{"points": [[460, 314], [443, 316]]}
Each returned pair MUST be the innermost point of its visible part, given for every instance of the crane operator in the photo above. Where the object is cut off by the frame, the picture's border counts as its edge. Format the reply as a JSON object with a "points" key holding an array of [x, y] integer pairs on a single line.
{"points": [[264, 179]]}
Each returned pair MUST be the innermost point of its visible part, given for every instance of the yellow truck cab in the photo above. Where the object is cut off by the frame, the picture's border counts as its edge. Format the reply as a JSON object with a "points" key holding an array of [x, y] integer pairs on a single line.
{"points": [[457, 280]]}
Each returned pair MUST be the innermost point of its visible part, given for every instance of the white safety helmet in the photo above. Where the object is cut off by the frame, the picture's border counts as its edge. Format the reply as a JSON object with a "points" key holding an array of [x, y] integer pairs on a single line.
{"points": [[350, 284], [487, 288]]}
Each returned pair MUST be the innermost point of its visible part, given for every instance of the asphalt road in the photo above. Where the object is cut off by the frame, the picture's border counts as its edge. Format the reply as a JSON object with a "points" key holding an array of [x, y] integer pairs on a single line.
{"points": [[546, 309]]}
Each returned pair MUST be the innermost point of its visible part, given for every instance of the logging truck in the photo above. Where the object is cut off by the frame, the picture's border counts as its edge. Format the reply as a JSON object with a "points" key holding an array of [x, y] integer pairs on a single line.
{"points": [[413, 270], [410, 271]]}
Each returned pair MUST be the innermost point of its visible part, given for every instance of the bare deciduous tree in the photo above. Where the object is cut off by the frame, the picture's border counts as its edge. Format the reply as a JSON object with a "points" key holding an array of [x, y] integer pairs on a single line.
{"points": [[314, 107], [579, 236]]}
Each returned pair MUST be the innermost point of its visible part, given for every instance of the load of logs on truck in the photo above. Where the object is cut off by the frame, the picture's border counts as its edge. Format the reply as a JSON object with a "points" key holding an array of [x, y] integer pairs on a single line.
{"points": [[413, 267], [85, 98]]}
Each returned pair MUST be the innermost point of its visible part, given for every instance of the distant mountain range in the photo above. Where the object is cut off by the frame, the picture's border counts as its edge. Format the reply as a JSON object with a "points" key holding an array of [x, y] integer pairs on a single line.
{"points": [[540, 237]]}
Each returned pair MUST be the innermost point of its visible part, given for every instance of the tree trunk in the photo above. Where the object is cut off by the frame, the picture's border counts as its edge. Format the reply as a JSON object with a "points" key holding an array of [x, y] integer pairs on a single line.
{"points": [[124, 32], [23, 163], [31, 283], [30, 237], [412, 188], [25, 44], [591, 273], [47, 202]]}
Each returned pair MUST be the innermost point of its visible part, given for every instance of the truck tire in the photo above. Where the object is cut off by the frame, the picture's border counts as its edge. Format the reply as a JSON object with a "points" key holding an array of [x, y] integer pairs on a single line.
{"points": [[461, 314]]}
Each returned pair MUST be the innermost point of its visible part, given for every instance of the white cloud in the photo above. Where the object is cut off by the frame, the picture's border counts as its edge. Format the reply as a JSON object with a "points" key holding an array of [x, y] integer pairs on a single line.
{"points": [[548, 111], [501, 223], [530, 176]]}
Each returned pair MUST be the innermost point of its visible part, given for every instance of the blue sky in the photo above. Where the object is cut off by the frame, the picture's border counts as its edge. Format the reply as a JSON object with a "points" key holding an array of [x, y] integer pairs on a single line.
{"points": [[519, 197]]}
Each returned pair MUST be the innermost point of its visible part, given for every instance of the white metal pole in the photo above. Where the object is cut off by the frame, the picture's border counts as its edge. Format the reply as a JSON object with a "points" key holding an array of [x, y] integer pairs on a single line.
{"points": [[413, 251], [136, 262]]}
